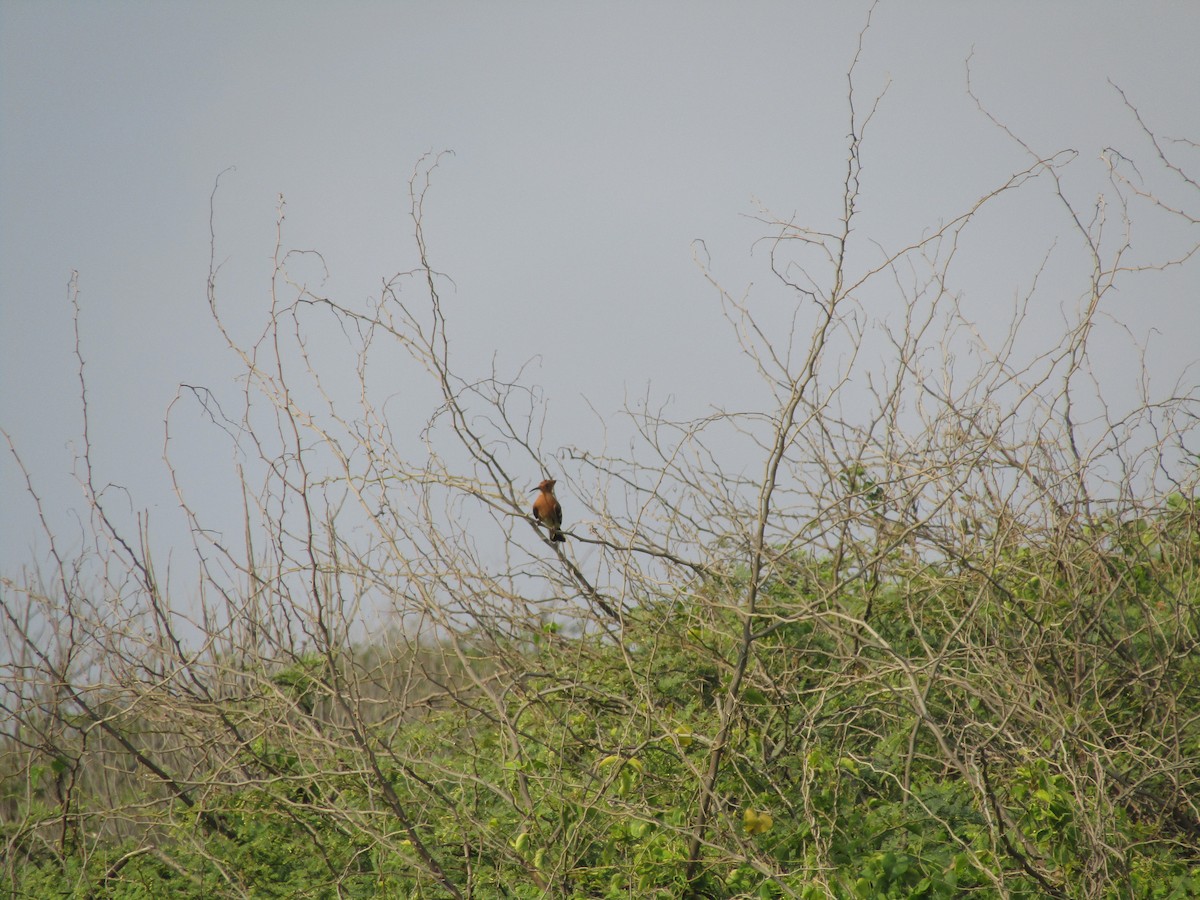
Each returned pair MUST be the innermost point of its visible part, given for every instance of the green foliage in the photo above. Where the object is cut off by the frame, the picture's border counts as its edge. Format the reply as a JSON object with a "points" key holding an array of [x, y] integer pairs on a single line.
{"points": [[948, 750]]}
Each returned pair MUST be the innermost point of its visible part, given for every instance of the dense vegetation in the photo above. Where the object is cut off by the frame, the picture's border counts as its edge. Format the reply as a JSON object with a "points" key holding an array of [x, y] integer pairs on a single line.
{"points": [[1031, 730], [919, 619]]}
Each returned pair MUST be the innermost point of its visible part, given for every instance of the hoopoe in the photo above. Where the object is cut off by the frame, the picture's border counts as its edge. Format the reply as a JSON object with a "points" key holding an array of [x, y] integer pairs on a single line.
{"points": [[547, 510]]}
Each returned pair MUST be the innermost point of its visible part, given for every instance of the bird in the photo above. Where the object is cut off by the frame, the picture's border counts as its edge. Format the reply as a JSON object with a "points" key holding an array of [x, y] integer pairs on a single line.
{"points": [[547, 510]]}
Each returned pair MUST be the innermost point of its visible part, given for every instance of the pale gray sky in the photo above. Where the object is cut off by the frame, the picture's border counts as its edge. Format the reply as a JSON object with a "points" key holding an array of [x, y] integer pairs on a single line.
{"points": [[593, 143]]}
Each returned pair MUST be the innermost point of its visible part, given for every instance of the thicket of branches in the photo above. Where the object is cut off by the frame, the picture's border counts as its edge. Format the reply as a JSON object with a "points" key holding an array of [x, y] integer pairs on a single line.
{"points": [[925, 624]]}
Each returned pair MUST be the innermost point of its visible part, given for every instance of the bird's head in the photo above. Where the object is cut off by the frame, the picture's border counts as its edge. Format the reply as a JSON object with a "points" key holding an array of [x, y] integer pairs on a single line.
{"points": [[546, 485]]}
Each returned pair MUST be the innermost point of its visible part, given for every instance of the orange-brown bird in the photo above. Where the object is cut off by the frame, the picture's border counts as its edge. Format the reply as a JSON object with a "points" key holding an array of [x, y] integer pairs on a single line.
{"points": [[547, 510]]}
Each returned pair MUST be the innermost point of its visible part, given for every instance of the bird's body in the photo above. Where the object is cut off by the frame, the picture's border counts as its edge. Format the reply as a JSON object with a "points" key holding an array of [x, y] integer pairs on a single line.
{"points": [[547, 510]]}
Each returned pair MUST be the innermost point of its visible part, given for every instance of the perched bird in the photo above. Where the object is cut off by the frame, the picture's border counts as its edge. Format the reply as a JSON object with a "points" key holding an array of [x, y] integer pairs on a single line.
{"points": [[547, 510]]}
